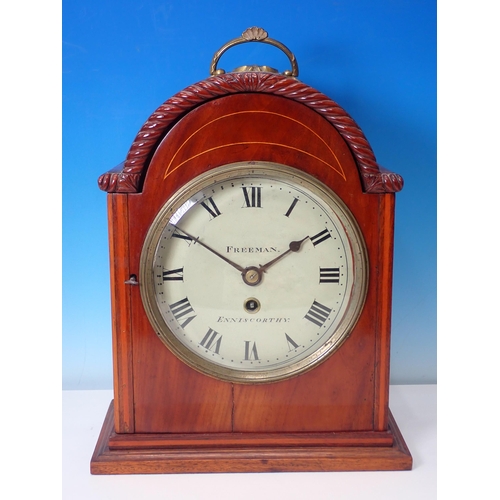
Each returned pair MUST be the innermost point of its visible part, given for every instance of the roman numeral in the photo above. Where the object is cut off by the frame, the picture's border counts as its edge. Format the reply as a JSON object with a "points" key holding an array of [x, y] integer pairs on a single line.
{"points": [[291, 344], [174, 275], [292, 206], [212, 209], [318, 313], [329, 274], [322, 236], [209, 341], [253, 198], [181, 236], [251, 353], [180, 309]]}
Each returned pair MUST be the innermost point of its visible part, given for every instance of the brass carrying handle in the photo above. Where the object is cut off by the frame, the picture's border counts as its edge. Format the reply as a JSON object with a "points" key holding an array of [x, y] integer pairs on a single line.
{"points": [[255, 34]]}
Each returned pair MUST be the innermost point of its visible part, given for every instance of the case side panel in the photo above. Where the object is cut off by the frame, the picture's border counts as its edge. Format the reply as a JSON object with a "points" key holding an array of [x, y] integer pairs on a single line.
{"points": [[120, 310], [382, 373]]}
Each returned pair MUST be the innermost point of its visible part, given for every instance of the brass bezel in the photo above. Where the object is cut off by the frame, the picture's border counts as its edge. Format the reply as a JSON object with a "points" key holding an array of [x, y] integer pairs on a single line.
{"points": [[248, 169]]}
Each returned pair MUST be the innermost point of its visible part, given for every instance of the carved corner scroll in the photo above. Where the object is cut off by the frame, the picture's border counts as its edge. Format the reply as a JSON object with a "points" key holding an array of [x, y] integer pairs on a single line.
{"points": [[120, 179], [128, 176]]}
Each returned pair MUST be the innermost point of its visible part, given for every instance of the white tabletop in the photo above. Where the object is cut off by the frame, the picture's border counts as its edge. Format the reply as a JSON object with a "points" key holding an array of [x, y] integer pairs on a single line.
{"points": [[413, 406]]}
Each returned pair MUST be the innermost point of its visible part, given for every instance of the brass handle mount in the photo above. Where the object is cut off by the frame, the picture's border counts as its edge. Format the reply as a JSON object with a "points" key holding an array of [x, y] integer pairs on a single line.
{"points": [[255, 34]]}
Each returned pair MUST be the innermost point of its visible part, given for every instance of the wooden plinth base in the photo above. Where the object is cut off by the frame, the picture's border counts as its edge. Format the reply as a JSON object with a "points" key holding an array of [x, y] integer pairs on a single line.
{"points": [[291, 455]]}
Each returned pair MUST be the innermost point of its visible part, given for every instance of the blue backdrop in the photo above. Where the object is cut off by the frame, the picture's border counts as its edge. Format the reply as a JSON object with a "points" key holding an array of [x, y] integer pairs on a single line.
{"points": [[122, 59]]}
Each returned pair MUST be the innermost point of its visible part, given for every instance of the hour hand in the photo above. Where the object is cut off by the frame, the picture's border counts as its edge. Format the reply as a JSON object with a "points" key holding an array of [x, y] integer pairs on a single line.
{"points": [[294, 246], [210, 249], [253, 275]]}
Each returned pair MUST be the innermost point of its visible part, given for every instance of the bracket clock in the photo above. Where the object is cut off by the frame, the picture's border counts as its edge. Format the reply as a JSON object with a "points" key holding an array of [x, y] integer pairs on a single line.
{"points": [[251, 242]]}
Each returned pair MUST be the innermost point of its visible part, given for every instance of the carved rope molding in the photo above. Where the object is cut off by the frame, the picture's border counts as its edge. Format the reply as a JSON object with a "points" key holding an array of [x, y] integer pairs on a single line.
{"points": [[127, 177]]}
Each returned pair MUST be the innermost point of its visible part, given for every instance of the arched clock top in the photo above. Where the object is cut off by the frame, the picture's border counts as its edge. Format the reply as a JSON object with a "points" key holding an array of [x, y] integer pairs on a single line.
{"points": [[129, 175]]}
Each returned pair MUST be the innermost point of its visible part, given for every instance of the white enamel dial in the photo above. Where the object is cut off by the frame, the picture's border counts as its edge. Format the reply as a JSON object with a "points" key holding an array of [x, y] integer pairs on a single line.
{"points": [[253, 272]]}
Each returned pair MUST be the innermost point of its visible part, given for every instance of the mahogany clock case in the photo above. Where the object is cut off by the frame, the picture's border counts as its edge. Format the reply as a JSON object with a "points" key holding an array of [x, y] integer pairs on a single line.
{"points": [[168, 417]]}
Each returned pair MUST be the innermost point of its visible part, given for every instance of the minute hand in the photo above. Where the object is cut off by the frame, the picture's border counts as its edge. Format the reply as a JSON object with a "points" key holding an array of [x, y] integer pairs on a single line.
{"points": [[224, 258], [293, 247]]}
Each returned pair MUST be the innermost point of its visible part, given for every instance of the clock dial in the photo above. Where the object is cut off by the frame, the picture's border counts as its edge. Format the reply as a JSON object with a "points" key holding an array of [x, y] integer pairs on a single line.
{"points": [[253, 272]]}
